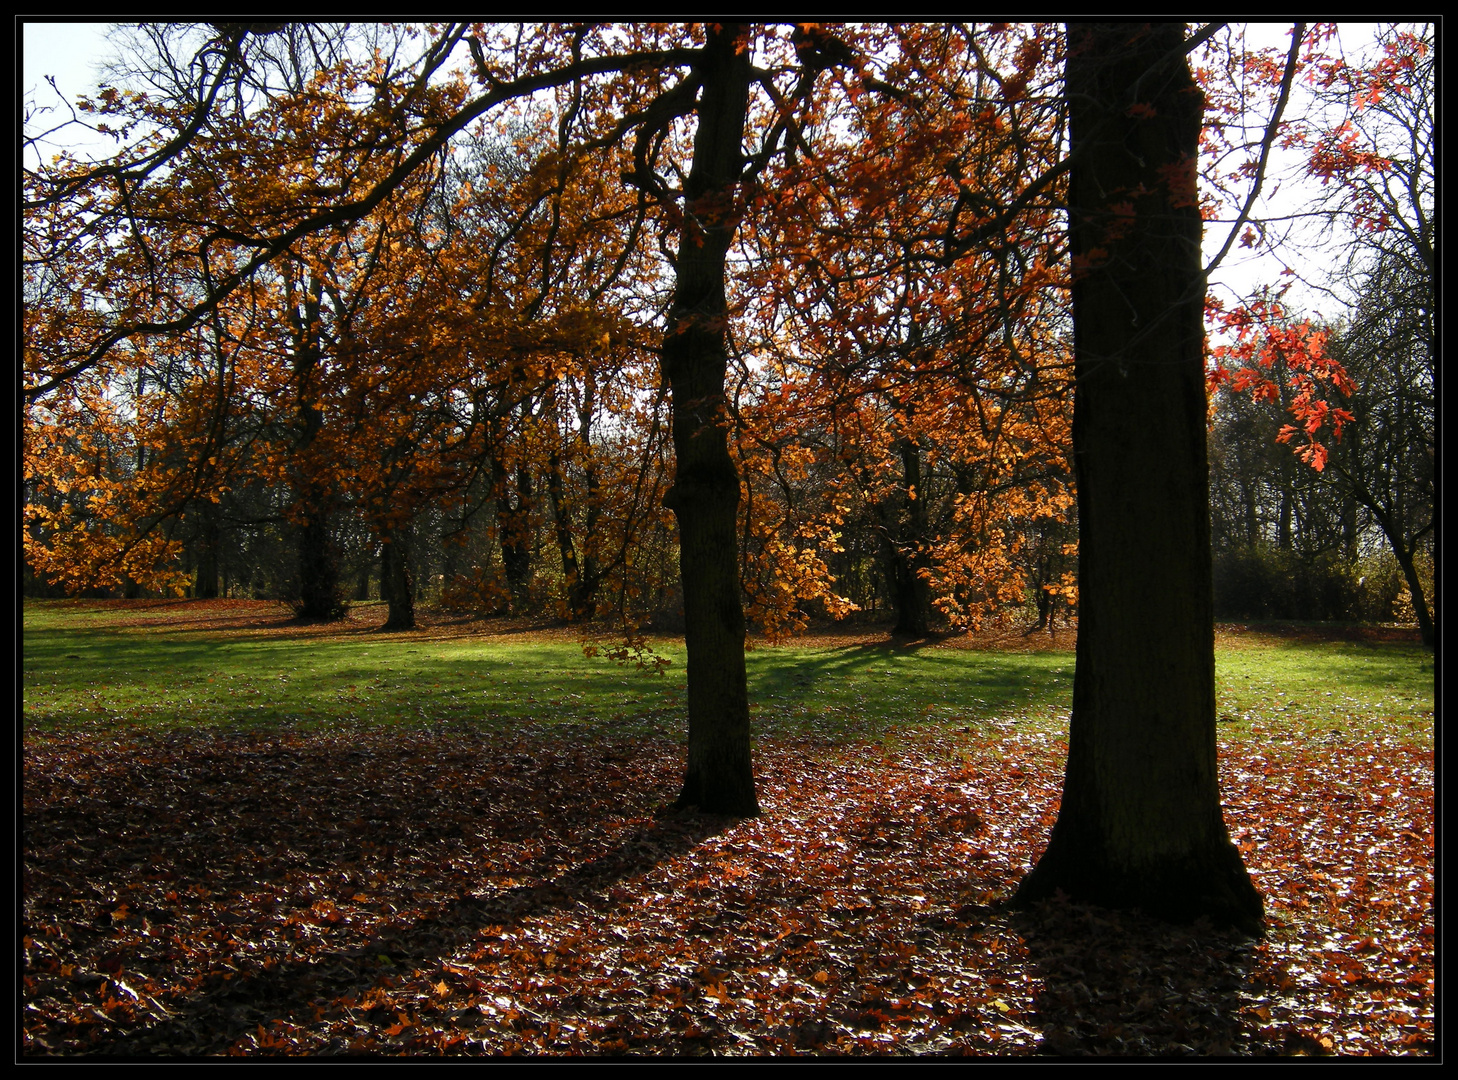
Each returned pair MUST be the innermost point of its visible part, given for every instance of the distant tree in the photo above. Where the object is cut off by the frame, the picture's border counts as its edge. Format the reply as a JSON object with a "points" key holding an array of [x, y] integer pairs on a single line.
{"points": [[1371, 142], [1387, 460]]}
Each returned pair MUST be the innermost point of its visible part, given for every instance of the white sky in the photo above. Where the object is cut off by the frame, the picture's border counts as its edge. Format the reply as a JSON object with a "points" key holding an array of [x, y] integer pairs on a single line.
{"points": [[72, 52]]}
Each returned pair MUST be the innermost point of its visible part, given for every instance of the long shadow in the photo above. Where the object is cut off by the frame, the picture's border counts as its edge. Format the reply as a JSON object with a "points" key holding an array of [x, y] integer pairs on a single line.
{"points": [[312, 842], [237, 1007], [980, 683], [1123, 985]]}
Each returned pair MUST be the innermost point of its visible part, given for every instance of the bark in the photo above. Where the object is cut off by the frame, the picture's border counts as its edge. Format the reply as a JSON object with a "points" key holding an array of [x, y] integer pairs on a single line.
{"points": [[1140, 823], [514, 523], [582, 577], [1404, 553], [318, 595], [205, 579], [362, 583], [903, 535], [317, 592], [397, 583], [705, 493]]}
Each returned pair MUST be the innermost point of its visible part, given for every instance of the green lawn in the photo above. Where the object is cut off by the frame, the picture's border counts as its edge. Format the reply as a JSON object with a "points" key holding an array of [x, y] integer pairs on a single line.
{"points": [[1328, 686], [82, 668], [243, 836]]}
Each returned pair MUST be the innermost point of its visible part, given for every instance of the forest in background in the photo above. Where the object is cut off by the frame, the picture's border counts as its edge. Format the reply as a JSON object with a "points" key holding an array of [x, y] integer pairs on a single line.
{"points": [[443, 383], [889, 318]]}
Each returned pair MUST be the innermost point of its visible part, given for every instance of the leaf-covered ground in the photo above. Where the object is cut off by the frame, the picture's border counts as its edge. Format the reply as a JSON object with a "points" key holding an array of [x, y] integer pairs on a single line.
{"points": [[457, 891]]}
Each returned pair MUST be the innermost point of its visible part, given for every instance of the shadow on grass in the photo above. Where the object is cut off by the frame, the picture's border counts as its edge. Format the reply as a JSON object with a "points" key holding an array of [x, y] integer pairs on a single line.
{"points": [[870, 685]]}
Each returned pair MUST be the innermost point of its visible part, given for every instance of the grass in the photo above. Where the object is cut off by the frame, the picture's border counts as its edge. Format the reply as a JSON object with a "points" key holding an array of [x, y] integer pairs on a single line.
{"points": [[246, 836], [106, 665], [1322, 687]]}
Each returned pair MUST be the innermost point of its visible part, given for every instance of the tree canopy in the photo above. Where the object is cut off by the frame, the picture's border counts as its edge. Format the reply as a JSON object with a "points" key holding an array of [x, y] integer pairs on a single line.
{"points": [[484, 303]]}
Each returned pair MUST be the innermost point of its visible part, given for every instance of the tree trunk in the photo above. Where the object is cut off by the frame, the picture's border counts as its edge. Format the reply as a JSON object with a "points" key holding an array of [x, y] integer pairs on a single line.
{"points": [[205, 580], [317, 595], [1404, 553], [705, 492], [397, 584], [514, 532], [581, 580], [904, 531], [1140, 823], [318, 564]]}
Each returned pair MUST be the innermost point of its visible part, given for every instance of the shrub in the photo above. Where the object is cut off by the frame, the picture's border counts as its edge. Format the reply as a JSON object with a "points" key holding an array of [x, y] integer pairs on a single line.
{"points": [[1261, 582]]}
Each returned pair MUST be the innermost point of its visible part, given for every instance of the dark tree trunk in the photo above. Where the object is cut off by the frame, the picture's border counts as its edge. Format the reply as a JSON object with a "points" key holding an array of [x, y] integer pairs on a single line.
{"points": [[318, 566], [582, 575], [514, 527], [362, 583], [903, 534], [1140, 823], [397, 583], [317, 593], [705, 492], [585, 599], [581, 578], [1405, 554], [205, 579]]}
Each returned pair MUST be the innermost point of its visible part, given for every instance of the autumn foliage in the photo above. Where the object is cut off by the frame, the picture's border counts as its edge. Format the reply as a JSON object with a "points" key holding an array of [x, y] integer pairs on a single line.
{"points": [[467, 355], [453, 889], [419, 314], [678, 327]]}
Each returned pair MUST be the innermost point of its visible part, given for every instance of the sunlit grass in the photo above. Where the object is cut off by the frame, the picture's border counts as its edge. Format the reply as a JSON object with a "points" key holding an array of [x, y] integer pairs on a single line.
{"points": [[82, 669], [1326, 687]]}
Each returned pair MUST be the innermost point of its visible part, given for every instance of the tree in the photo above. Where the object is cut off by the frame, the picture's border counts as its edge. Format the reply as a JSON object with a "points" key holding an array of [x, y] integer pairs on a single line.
{"points": [[910, 324], [1370, 134], [1140, 822], [1388, 463], [274, 171], [705, 492]]}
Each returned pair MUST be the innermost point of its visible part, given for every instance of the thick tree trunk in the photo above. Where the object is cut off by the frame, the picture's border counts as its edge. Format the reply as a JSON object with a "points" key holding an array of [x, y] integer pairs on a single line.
{"points": [[514, 532], [205, 579], [317, 595], [705, 492], [904, 529], [318, 564], [397, 584], [1140, 823]]}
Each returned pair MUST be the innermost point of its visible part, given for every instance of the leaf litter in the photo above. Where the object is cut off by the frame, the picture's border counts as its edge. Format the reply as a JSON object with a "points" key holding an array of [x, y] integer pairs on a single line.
{"points": [[458, 892]]}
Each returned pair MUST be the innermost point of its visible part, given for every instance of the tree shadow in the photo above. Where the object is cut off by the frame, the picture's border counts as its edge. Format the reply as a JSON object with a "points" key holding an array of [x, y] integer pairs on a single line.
{"points": [[1119, 984], [257, 859], [229, 1010]]}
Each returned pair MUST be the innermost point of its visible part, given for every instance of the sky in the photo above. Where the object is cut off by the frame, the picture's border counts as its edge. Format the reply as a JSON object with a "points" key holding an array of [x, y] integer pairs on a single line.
{"points": [[73, 52]]}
